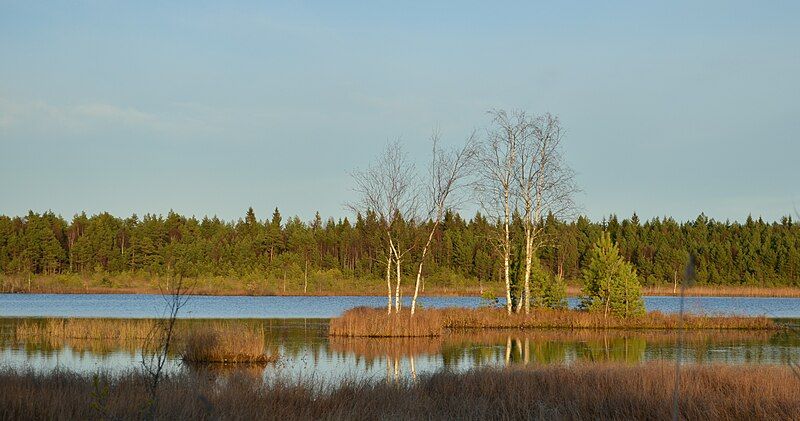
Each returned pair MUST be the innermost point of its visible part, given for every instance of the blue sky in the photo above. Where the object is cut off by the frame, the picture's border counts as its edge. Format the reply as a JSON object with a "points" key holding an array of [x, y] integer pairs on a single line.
{"points": [[671, 108]]}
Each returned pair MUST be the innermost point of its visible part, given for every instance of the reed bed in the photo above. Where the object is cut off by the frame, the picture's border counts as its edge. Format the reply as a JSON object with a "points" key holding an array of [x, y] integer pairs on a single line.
{"points": [[374, 322], [196, 342], [724, 291], [229, 345], [590, 391], [111, 329]]}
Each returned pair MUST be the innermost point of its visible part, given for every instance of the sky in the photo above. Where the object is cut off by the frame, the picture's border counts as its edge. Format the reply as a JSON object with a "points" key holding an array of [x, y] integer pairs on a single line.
{"points": [[207, 108]]}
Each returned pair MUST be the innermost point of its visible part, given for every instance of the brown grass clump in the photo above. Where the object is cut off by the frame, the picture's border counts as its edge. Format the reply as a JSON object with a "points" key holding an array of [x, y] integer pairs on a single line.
{"points": [[229, 345], [374, 322], [584, 391]]}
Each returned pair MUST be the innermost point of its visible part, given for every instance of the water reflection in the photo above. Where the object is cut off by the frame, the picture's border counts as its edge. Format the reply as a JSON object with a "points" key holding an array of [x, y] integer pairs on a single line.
{"points": [[306, 351]]}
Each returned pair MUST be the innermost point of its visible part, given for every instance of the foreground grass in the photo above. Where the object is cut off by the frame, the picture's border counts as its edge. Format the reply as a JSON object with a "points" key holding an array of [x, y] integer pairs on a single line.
{"points": [[374, 322], [597, 391]]}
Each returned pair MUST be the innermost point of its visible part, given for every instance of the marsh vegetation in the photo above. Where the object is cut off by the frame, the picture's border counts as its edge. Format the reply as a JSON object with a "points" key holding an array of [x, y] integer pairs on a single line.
{"points": [[628, 392]]}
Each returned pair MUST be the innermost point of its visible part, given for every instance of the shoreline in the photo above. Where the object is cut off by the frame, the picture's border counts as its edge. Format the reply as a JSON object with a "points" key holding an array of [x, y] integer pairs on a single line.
{"points": [[572, 292]]}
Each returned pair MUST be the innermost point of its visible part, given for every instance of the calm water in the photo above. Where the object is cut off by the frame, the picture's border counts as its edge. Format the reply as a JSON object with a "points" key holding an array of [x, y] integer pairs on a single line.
{"points": [[295, 328], [209, 307], [305, 350]]}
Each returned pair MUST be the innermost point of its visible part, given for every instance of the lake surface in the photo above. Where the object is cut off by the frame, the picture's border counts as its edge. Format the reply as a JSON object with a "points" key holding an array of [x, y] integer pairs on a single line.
{"points": [[305, 350], [246, 307], [295, 329]]}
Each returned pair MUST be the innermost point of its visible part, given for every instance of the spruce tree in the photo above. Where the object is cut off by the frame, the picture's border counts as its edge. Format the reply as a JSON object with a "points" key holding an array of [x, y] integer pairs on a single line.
{"points": [[611, 284]]}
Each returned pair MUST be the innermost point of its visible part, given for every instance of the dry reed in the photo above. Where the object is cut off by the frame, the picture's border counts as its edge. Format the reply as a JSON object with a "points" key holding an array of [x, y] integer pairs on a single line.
{"points": [[197, 341], [586, 391], [373, 322], [230, 344], [112, 329]]}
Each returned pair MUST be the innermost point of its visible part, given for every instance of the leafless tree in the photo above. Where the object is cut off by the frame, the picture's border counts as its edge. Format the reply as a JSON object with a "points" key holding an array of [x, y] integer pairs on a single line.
{"points": [[387, 187], [545, 184], [447, 174], [498, 161], [156, 348]]}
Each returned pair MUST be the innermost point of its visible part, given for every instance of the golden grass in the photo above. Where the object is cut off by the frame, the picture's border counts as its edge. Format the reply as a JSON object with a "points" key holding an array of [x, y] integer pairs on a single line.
{"points": [[111, 329], [374, 322], [583, 391], [230, 345], [574, 290], [724, 291]]}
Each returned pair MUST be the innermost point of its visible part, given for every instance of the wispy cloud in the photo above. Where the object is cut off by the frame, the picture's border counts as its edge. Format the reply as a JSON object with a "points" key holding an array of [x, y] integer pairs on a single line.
{"points": [[29, 115]]}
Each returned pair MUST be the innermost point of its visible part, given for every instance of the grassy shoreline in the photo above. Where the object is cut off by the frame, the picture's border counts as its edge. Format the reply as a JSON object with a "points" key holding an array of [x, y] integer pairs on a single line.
{"points": [[226, 286], [581, 391]]}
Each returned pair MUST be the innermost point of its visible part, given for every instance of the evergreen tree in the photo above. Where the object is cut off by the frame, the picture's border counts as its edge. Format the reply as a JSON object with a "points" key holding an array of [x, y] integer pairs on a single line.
{"points": [[611, 284], [550, 291]]}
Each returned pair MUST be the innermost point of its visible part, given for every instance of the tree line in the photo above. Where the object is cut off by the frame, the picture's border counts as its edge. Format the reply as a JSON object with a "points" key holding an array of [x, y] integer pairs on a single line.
{"points": [[754, 252], [406, 225]]}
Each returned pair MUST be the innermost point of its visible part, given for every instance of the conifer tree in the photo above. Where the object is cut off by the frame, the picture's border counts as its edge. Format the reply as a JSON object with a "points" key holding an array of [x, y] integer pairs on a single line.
{"points": [[611, 284]]}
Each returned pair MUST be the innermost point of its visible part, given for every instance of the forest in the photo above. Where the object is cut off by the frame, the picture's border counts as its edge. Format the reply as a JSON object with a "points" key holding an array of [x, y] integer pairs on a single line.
{"points": [[752, 253]]}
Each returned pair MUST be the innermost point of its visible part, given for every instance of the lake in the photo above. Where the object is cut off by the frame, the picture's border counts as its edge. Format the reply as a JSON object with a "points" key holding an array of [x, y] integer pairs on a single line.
{"points": [[247, 307], [295, 328]]}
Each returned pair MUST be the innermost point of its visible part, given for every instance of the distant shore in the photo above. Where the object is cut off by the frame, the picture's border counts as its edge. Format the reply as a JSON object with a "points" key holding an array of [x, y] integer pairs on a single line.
{"points": [[225, 286]]}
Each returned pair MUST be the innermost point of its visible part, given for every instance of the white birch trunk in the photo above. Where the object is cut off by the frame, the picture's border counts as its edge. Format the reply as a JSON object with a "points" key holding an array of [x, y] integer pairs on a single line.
{"points": [[389, 279], [396, 252], [528, 263], [506, 255], [397, 304], [419, 271]]}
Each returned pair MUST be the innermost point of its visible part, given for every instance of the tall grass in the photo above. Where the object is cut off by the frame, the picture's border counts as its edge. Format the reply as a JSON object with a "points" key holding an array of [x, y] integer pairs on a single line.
{"points": [[593, 391], [112, 329], [195, 341], [373, 322]]}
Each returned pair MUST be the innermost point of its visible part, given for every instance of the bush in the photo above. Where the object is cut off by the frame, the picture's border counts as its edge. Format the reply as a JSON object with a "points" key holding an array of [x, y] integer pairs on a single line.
{"points": [[231, 344]]}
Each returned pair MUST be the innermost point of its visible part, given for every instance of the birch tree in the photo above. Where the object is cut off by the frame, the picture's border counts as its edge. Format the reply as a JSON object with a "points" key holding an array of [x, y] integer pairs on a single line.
{"points": [[544, 183], [447, 173], [498, 161], [387, 188]]}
